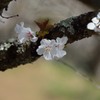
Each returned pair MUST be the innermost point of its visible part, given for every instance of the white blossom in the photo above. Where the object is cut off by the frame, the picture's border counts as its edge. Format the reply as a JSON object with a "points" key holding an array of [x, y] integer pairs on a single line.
{"points": [[51, 49], [60, 44], [47, 48], [25, 34], [95, 24]]}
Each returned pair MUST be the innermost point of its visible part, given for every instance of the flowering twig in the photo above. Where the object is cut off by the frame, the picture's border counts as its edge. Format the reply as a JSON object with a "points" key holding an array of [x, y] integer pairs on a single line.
{"points": [[23, 50]]}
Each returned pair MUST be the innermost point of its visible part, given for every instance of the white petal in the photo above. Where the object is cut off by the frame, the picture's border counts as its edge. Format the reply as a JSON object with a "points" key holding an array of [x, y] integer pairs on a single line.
{"points": [[40, 50], [58, 40], [24, 31], [34, 39], [21, 35], [91, 26], [17, 29], [95, 20], [60, 53], [47, 56], [52, 43], [53, 51], [98, 15], [45, 42], [29, 30], [22, 40], [64, 40], [61, 47]]}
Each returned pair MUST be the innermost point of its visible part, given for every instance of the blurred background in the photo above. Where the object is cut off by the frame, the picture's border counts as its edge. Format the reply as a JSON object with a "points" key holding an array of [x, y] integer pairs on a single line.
{"points": [[52, 80]]}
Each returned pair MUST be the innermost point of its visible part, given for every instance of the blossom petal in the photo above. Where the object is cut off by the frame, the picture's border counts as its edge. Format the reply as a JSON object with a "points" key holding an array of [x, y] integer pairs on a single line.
{"points": [[20, 36], [60, 53], [47, 56], [91, 26], [95, 20], [22, 40], [40, 50], [17, 28], [61, 47], [98, 15], [53, 51], [58, 40], [52, 42], [62, 40], [45, 42], [29, 30], [34, 39]]}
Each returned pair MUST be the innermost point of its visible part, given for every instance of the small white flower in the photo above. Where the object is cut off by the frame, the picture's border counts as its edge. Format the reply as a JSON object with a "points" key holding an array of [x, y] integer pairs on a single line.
{"points": [[60, 44], [51, 49], [95, 24], [25, 34], [47, 48]]}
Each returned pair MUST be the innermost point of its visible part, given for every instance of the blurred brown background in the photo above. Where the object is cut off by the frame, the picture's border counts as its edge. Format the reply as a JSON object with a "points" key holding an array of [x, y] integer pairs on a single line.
{"points": [[51, 80]]}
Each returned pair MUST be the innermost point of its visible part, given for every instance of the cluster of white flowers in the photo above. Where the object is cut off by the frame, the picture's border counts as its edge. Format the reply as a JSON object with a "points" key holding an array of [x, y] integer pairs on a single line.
{"points": [[51, 49], [25, 34], [95, 24]]}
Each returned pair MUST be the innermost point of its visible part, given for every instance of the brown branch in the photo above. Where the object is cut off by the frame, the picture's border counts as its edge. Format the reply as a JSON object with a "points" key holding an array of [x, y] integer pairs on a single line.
{"points": [[75, 28]]}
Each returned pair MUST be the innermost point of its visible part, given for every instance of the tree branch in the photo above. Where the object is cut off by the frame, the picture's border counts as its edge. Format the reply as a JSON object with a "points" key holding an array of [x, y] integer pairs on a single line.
{"points": [[75, 28]]}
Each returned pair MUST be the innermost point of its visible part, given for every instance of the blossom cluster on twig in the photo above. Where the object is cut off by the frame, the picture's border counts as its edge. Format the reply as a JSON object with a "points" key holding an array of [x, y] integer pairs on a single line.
{"points": [[50, 49]]}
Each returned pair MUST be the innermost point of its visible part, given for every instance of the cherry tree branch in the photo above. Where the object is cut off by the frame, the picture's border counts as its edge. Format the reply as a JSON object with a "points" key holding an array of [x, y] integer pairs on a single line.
{"points": [[75, 28], [13, 54]]}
